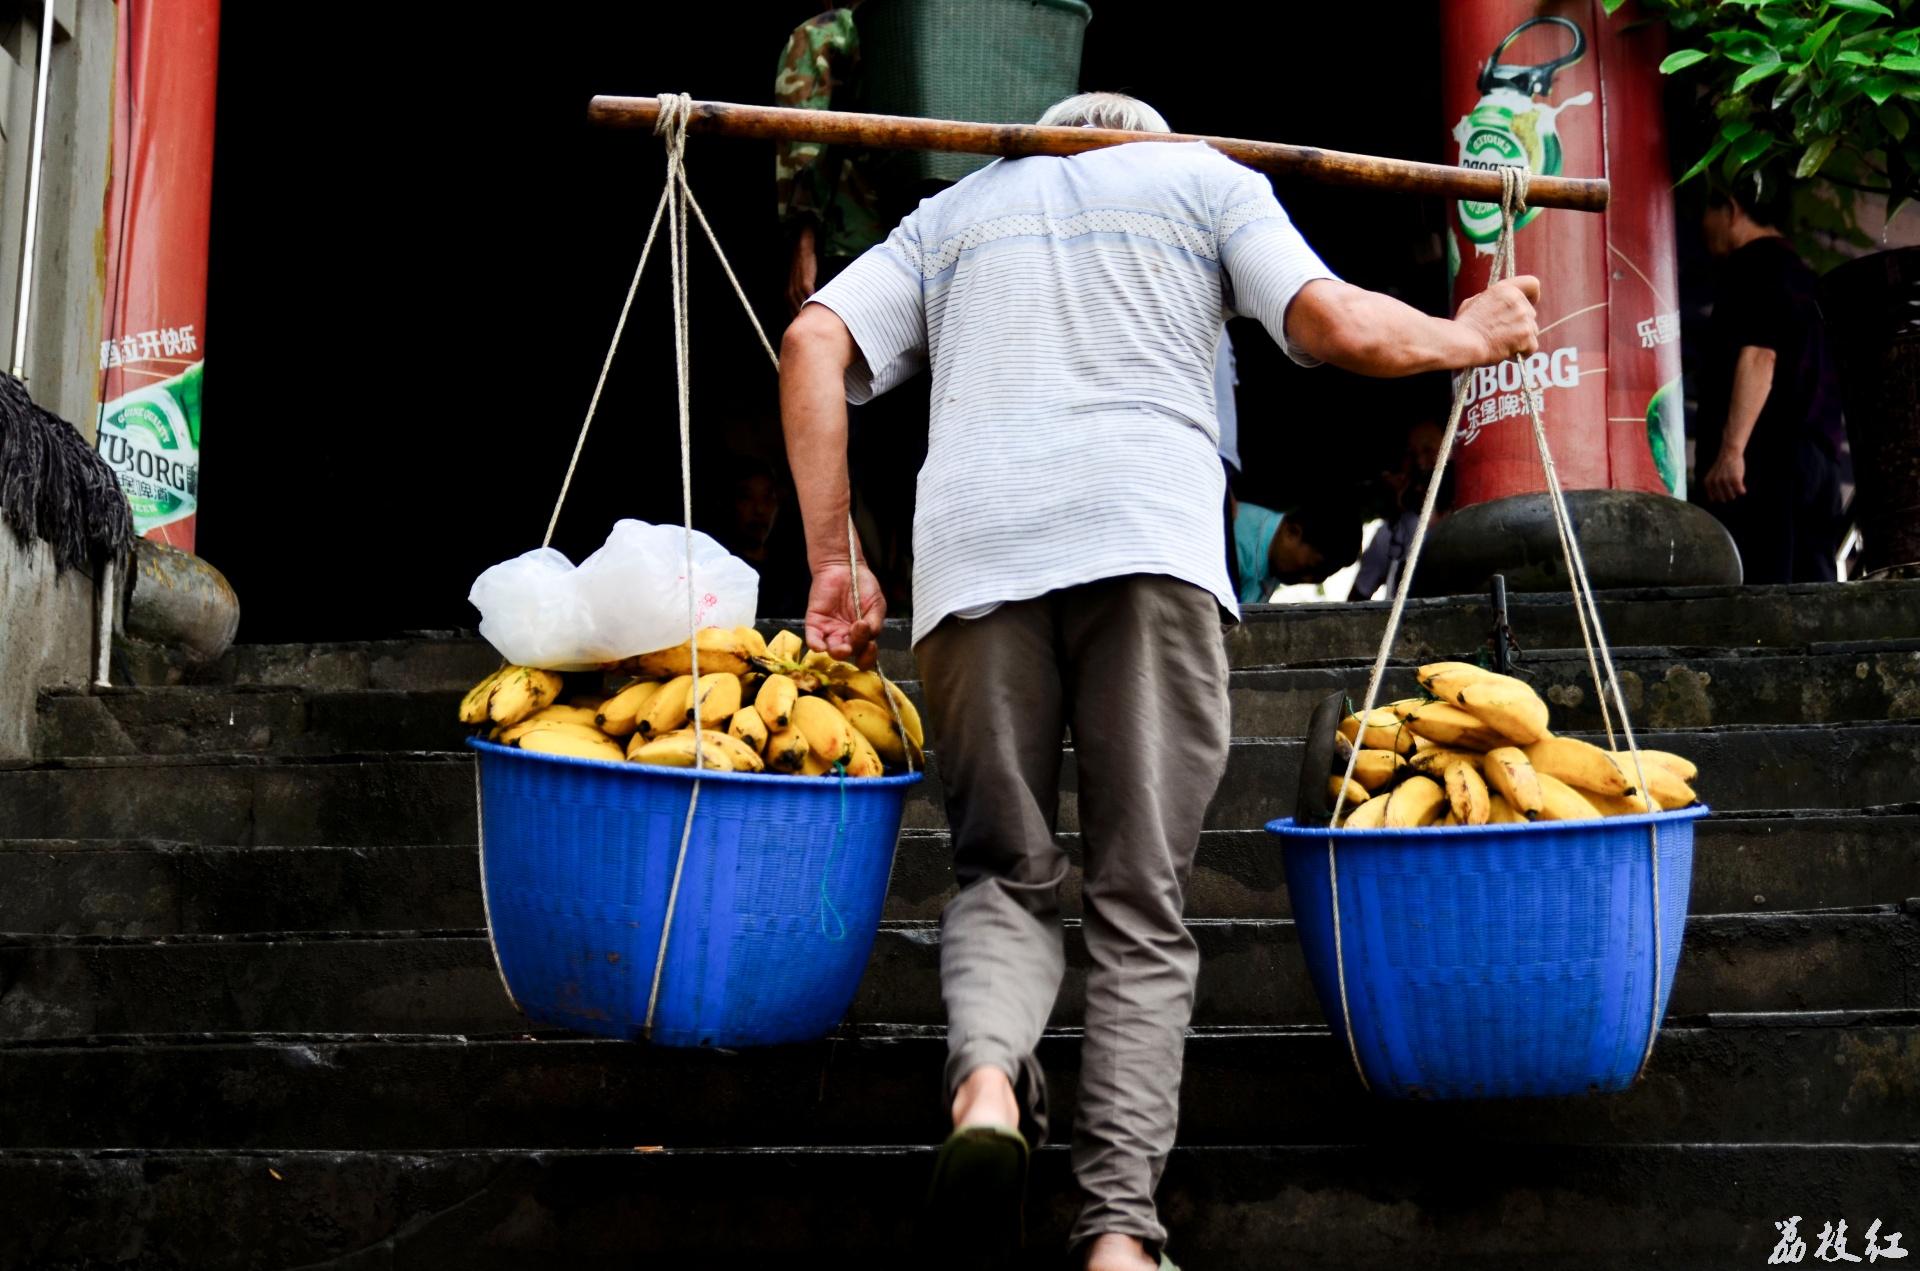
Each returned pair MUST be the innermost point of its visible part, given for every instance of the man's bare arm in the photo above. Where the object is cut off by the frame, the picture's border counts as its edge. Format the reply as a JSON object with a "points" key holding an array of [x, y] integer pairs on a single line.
{"points": [[1752, 382], [1372, 334]]}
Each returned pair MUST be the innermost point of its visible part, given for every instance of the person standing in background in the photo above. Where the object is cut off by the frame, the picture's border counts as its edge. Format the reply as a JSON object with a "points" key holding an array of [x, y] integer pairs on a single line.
{"points": [[833, 206], [1769, 430]]}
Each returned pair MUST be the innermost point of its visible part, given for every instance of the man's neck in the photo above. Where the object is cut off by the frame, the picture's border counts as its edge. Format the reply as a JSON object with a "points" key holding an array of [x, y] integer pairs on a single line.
{"points": [[1745, 232]]}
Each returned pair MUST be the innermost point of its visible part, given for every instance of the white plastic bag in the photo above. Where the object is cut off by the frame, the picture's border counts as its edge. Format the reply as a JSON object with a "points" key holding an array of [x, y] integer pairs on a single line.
{"points": [[629, 597]]}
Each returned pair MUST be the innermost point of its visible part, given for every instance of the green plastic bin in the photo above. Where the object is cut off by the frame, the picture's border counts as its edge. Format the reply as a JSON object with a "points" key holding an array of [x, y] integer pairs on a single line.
{"points": [[987, 61]]}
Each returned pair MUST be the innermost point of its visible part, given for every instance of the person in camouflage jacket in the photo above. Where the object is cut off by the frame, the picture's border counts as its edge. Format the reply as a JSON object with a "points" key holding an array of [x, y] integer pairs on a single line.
{"points": [[828, 202]]}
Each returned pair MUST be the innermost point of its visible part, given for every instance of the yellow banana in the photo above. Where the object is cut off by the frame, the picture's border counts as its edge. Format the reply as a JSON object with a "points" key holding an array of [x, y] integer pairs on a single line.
{"points": [[1581, 765], [1616, 805], [520, 693], [752, 641], [1405, 706], [814, 766], [1467, 794], [786, 647], [775, 701], [666, 710], [1446, 684], [587, 701], [1561, 802], [865, 685], [1449, 821], [1452, 726], [865, 761], [1356, 793], [909, 720], [1382, 731], [1370, 815], [718, 696], [875, 725], [1415, 802], [1510, 776], [1375, 768], [676, 750], [1435, 760], [1500, 812], [720, 650], [573, 743], [1427, 674], [1508, 707], [747, 725], [548, 717], [473, 707], [620, 714], [787, 750], [826, 729], [1663, 784], [1678, 765], [742, 756]]}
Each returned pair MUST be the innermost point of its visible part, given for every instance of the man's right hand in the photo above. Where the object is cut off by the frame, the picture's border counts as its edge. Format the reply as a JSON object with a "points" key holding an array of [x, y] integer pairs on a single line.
{"points": [[1503, 318], [804, 273]]}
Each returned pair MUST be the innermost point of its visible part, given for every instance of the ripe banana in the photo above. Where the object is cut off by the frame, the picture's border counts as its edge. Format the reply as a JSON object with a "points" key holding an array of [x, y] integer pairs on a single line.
{"points": [[1375, 768], [747, 725], [1446, 684], [814, 766], [1405, 706], [1561, 802], [786, 647], [752, 641], [1370, 815], [742, 756], [548, 717], [573, 743], [875, 724], [720, 650], [520, 693], [909, 721], [865, 685], [1508, 707], [1663, 784], [787, 750], [1467, 794], [666, 710], [1356, 793], [718, 697], [473, 707], [826, 729], [1449, 821], [1452, 726], [1616, 805], [1580, 764], [676, 750], [1432, 671], [1678, 765], [1435, 760], [1415, 802], [775, 700], [1500, 812], [864, 762], [1510, 776], [620, 714], [1383, 731]]}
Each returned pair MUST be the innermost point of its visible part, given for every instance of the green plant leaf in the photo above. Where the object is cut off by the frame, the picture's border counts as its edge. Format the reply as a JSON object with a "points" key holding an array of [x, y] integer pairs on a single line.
{"points": [[1612, 6], [1881, 87], [1734, 129], [1861, 6], [1706, 160], [1817, 154], [1853, 57], [1895, 121], [1681, 60], [1901, 62], [1753, 75], [1811, 45], [1751, 147]]}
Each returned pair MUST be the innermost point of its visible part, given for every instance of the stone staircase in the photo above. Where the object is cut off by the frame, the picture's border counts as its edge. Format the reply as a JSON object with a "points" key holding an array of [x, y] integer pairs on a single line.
{"points": [[248, 1016]]}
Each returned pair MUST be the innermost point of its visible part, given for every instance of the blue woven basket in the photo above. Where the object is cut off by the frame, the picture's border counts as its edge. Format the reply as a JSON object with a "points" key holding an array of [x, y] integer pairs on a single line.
{"points": [[779, 902], [1495, 960]]}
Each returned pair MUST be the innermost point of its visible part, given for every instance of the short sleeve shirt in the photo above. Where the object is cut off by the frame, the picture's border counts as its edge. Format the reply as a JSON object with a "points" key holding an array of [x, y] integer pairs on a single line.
{"points": [[1768, 298], [1070, 310]]}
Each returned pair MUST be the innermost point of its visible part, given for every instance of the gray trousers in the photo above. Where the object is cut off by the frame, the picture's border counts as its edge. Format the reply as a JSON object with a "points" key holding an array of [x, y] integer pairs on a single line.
{"points": [[1137, 668]]}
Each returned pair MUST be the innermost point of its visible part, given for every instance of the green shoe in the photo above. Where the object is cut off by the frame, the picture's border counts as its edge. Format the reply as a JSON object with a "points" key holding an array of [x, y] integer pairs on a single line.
{"points": [[976, 1204]]}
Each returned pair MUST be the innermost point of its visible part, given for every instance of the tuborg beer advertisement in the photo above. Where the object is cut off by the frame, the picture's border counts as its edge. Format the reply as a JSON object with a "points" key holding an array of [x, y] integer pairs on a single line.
{"points": [[1564, 90]]}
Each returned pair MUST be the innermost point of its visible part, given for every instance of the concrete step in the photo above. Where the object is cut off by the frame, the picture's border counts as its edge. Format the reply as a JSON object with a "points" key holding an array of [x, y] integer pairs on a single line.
{"points": [[413, 797], [1270, 635], [1486, 1206], [1665, 688], [1728, 1079], [410, 982], [1744, 863]]}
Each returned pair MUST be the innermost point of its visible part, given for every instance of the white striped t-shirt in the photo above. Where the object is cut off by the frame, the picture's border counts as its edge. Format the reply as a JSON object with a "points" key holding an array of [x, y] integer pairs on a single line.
{"points": [[1069, 308]]}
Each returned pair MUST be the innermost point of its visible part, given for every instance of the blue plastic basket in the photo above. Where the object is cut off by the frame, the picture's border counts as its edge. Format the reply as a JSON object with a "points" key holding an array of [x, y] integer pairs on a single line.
{"points": [[1495, 960], [779, 901]]}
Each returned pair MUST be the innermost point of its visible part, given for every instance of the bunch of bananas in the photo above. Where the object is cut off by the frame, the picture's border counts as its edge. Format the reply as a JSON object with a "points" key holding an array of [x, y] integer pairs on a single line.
{"points": [[758, 704], [1477, 751]]}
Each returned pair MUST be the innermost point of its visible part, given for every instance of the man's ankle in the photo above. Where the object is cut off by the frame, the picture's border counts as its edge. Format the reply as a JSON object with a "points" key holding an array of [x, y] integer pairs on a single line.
{"points": [[1113, 1252], [985, 1097]]}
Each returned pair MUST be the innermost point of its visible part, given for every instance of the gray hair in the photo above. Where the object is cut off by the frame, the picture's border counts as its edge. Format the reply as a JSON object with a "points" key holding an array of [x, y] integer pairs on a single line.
{"points": [[1104, 110]]}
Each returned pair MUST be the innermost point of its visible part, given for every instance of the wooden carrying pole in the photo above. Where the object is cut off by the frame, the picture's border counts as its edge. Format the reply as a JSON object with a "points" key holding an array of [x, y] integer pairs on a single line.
{"points": [[901, 132]]}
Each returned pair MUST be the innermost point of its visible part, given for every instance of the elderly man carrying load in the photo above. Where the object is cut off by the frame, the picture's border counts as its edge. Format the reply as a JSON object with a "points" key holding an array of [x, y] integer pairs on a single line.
{"points": [[1069, 573]]}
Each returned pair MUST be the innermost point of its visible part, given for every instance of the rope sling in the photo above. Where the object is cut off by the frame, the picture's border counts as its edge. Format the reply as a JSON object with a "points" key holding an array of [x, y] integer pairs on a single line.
{"points": [[1513, 204]]}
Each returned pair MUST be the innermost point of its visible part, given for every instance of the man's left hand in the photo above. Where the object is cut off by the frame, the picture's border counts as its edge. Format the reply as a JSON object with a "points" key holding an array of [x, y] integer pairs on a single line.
{"points": [[832, 623], [1727, 479]]}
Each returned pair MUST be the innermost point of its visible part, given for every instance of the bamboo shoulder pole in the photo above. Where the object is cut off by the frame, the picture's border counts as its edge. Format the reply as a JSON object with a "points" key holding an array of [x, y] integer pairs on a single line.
{"points": [[900, 132]]}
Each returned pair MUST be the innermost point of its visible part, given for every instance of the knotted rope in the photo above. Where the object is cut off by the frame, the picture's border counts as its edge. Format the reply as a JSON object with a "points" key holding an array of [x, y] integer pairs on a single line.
{"points": [[680, 210], [1513, 204]]}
